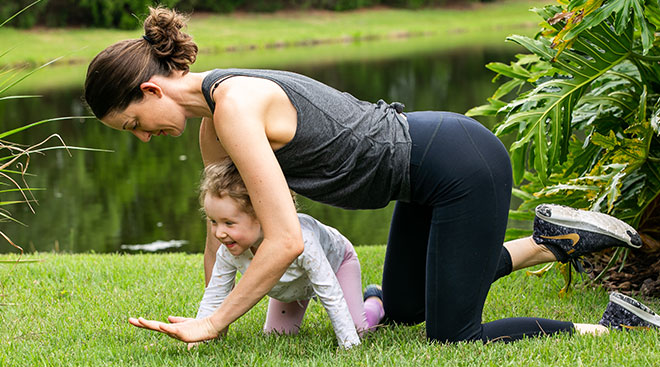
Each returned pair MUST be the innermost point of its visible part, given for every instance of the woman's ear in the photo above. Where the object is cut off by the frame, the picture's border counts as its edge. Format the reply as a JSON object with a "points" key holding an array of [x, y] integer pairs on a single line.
{"points": [[151, 88]]}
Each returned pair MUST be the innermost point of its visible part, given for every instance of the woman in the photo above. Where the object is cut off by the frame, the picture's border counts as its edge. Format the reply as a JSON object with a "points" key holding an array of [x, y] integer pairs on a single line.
{"points": [[450, 176]]}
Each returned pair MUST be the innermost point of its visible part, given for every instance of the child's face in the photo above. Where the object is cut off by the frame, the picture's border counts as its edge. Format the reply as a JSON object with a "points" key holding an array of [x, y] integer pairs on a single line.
{"points": [[236, 229]]}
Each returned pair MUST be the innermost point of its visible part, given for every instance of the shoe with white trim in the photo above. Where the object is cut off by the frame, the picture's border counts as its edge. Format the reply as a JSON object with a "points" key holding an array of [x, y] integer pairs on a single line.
{"points": [[571, 233], [626, 313]]}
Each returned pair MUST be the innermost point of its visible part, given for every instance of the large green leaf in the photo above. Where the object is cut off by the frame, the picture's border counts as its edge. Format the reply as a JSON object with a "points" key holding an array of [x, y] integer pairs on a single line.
{"points": [[643, 13], [543, 115]]}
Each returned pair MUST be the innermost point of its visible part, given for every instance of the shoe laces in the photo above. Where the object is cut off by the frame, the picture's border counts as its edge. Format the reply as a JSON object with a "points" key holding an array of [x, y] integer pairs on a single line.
{"points": [[579, 263]]}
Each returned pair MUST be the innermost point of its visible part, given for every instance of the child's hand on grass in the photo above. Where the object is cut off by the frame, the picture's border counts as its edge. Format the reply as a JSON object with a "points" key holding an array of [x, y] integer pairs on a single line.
{"points": [[182, 328]]}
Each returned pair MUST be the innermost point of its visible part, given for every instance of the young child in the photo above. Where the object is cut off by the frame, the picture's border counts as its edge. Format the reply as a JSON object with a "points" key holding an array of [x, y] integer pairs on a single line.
{"points": [[328, 267]]}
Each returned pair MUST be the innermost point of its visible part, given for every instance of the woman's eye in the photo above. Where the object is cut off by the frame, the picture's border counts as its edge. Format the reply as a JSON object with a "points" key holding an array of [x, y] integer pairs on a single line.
{"points": [[229, 223]]}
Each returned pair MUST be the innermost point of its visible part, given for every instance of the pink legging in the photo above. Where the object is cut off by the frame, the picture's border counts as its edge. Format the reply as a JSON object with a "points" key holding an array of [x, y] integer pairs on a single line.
{"points": [[285, 318]]}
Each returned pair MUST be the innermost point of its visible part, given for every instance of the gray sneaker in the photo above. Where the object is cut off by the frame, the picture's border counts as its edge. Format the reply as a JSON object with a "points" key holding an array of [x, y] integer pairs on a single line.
{"points": [[571, 233], [626, 313]]}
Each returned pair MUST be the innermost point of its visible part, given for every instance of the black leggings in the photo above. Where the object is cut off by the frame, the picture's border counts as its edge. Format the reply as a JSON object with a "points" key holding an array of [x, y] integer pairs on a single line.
{"points": [[445, 244]]}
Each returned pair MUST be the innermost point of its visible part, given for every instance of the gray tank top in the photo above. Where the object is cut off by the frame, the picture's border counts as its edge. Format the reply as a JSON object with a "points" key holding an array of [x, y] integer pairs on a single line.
{"points": [[345, 152]]}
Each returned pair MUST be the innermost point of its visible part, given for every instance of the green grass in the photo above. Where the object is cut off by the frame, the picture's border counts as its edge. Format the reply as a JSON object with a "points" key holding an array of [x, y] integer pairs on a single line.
{"points": [[71, 310], [286, 38]]}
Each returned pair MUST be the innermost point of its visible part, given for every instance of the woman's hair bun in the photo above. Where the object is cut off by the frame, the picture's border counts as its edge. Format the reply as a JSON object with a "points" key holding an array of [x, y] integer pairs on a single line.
{"points": [[172, 46]]}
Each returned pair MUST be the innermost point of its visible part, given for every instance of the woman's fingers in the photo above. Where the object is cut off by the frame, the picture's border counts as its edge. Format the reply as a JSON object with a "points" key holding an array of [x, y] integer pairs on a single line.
{"points": [[133, 321], [170, 329], [150, 324], [182, 328], [177, 319]]}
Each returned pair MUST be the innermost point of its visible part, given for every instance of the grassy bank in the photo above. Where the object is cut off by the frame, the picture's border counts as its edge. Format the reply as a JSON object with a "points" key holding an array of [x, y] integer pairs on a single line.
{"points": [[225, 33], [273, 40], [72, 310]]}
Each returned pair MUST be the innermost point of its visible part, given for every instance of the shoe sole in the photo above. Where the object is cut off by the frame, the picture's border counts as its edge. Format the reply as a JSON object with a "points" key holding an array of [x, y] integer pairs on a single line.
{"points": [[589, 221], [635, 307]]}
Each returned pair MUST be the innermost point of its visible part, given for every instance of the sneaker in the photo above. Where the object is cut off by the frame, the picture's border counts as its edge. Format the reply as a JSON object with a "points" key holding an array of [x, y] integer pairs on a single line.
{"points": [[626, 313], [571, 233], [373, 290]]}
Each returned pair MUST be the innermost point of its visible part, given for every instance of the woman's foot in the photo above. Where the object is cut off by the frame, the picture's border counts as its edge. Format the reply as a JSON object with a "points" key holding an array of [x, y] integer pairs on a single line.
{"points": [[625, 313], [591, 329], [571, 233]]}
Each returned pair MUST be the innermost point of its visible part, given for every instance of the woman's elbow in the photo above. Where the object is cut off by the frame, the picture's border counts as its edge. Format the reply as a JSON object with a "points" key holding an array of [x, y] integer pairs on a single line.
{"points": [[293, 246]]}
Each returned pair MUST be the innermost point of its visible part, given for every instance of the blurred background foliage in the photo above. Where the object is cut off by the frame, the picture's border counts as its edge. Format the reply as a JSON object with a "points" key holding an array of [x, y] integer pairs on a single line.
{"points": [[123, 14]]}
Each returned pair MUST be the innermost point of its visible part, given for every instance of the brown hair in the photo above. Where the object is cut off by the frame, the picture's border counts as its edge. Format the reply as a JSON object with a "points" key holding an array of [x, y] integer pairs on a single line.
{"points": [[220, 179], [115, 74]]}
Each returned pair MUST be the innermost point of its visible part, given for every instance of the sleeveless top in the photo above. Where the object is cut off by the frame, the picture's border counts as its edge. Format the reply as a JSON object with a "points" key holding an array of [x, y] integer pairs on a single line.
{"points": [[345, 152]]}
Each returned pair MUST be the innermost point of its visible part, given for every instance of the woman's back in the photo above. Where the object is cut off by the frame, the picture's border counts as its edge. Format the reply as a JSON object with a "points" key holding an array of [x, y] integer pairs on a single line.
{"points": [[342, 145]]}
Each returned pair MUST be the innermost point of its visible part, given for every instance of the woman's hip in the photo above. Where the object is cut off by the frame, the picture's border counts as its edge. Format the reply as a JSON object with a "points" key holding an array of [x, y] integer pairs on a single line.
{"points": [[453, 155]]}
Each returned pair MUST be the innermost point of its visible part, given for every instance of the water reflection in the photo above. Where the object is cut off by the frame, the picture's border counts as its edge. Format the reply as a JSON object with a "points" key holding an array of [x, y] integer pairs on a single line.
{"points": [[144, 193]]}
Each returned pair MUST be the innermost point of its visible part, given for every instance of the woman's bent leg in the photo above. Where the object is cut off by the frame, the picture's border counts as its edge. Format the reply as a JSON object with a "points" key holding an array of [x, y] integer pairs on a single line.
{"points": [[460, 169], [404, 273]]}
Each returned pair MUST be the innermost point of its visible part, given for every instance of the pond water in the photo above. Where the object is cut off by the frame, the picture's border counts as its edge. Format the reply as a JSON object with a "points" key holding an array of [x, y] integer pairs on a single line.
{"points": [[143, 197]]}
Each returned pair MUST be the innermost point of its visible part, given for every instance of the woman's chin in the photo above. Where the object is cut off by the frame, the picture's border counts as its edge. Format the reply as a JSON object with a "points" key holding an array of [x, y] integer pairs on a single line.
{"points": [[177, 133]]}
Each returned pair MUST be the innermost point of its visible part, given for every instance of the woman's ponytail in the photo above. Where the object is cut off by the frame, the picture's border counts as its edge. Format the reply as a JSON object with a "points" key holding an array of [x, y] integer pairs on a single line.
{"points": [[162, 29]]}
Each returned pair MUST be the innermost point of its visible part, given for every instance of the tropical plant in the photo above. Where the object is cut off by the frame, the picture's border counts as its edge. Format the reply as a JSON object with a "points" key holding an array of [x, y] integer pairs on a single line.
{"points": [[584, 108]]}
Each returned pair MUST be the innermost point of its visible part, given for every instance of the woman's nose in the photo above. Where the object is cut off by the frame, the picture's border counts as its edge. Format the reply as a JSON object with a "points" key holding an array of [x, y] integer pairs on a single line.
{"points": [[142, 135]]}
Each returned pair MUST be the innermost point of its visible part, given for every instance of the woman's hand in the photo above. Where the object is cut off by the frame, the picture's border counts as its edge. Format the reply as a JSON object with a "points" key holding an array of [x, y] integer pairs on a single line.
{"points": [[185, 329]]}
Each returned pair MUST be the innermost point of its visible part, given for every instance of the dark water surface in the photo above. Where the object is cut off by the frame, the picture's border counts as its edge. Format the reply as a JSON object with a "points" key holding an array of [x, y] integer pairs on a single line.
{"points": [[146, 193]]}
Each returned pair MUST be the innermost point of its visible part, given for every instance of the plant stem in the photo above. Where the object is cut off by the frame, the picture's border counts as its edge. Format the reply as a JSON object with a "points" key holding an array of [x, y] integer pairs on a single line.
{"points": [[645, 57]]}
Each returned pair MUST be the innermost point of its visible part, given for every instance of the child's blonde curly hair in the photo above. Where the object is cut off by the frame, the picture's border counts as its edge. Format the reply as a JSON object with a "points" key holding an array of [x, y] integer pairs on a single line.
{"points": [[220, 179]]}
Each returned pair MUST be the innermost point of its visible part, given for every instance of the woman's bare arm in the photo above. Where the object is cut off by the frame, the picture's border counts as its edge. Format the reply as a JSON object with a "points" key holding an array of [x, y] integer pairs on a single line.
{"points": [[212, 152], [253, 116], [245, 107]]}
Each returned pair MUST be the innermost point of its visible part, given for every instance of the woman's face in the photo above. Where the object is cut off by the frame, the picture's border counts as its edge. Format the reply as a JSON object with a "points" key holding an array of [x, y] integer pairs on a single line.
{"points": [[155, 114]]}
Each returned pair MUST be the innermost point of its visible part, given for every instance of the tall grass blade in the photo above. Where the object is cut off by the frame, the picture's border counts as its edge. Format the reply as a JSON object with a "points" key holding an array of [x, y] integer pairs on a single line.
{"points": [[21, 261], [19, 12], [72, 148], [12, 242], [25, 127], [28, 74], [19, 97]]}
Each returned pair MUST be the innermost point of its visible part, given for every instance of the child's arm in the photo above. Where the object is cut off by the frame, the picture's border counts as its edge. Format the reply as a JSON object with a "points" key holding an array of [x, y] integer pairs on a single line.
{"points": [[327, 288], [221, 283]]}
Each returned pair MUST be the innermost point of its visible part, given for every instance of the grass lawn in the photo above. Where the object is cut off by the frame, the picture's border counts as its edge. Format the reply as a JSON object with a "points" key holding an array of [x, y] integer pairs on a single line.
{"points": [[71, 310], [283, 38]]}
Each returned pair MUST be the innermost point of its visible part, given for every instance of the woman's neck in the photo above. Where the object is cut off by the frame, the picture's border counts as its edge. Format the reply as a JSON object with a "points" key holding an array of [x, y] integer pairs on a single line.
{"points": [[186, 90]]}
